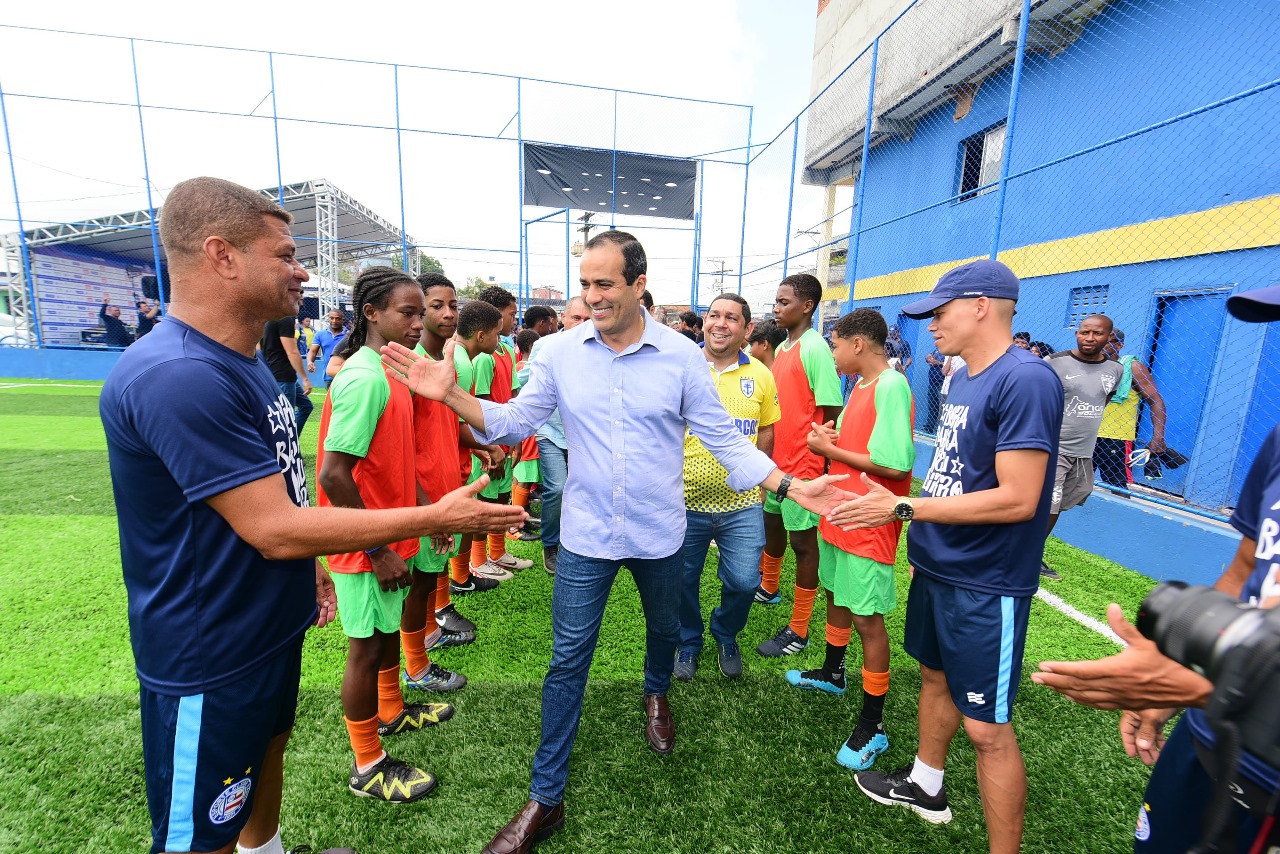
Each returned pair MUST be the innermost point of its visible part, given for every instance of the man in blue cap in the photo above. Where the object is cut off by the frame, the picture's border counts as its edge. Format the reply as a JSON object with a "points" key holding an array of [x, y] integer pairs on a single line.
{"points": [[979, 528], [1152, 688]]}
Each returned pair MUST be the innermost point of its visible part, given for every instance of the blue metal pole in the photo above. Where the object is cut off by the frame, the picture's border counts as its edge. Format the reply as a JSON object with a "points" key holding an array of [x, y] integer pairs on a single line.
{"points": [[697, 241], [568, 253], [1014, 91], [146, 176], [520, 174], [613, 196], [791, 199], [855, 230], [22, 231], [404, 240], [746, 181], [275, 126]]}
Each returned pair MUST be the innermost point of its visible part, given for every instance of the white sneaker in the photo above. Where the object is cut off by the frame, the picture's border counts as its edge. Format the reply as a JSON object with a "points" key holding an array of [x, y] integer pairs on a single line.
{"points": [[510, 561], [490, 569]]}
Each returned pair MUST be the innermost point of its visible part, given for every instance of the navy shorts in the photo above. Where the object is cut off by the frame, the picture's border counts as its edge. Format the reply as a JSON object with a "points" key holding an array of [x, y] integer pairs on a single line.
{"points": [[1171, 815], [976, 639], [203, 753]]}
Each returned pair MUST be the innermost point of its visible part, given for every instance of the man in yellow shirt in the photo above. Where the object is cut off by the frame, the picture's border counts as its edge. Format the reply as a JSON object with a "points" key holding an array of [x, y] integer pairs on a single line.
{"points": [[735, 520]]}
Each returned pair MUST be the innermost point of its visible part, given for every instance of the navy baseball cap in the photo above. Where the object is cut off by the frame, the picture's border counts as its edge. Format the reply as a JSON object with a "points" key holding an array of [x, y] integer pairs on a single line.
{"points": [[981, 278], [1260, 306]]}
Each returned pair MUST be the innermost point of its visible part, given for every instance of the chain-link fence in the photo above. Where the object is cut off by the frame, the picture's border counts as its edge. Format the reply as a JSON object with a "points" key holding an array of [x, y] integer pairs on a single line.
{"points": [[1119, 155], [378, 163]]}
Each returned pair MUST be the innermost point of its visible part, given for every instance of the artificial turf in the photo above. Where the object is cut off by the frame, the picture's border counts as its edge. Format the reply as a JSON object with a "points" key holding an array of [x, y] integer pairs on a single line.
{"points": [[754, 769]]}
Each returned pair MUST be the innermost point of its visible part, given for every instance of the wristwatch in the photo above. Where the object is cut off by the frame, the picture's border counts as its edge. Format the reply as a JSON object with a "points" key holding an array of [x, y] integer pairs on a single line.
{"points": [[904, 510], [784, 486]]}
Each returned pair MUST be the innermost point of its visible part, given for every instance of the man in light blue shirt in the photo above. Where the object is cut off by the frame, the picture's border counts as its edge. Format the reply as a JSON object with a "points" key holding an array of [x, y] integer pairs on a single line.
{"points": [[627, 387], [553, 449]]}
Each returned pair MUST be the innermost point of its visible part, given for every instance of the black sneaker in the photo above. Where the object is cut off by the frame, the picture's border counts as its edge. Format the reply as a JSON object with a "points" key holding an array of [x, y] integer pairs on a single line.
{"points": [[416, 716], [1047, 572], [785, 642], [392, 781], [686, 665], [897, 789], [549, 556], [474, 584], [764, 597], [448, 638], [729, 658], [450, 620]]}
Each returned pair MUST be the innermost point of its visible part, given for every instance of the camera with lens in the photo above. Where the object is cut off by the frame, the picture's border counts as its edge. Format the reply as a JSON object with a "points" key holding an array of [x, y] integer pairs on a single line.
{"points": [[1232, 644]]}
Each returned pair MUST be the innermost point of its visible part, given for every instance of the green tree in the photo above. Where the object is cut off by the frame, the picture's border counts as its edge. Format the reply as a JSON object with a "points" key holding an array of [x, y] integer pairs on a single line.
{"points": [[472, 288]]}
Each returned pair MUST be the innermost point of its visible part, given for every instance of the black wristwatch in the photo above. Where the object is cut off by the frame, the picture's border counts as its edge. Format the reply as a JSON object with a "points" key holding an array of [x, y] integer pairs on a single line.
{"points": [[784, 486], [904, 511]]}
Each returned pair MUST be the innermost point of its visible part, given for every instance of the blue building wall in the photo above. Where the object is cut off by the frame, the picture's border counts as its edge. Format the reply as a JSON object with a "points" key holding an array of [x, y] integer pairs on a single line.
{"points": [[1219, 377]]}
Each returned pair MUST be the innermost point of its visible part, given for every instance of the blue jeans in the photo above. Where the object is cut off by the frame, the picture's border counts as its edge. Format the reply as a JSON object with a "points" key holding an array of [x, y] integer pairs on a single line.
{"points": [[300, 402], [554, 462], [739, 537], [582, 587]]}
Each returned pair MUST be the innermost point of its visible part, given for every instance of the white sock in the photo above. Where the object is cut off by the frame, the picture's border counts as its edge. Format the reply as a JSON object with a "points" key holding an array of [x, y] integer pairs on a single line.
{"points": [[929, 779], [273, 846], [364, 769]]}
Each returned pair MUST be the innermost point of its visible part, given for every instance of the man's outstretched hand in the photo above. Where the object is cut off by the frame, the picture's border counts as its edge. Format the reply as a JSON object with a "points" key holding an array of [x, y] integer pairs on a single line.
{"points": [[464, 514], [424, 377], [819, 495]]}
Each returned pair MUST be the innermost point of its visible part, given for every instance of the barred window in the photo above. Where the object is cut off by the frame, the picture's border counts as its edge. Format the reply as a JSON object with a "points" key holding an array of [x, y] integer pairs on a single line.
{"points": [[1091, 299]]}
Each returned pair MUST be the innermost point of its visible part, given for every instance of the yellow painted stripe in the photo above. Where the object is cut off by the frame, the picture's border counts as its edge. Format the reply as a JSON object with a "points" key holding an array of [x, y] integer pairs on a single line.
{"points": [[1242, 225]]}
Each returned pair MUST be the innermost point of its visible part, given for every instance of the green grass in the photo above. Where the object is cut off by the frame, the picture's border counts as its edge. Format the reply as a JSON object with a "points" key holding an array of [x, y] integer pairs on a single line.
{"points": [[753, 771]]}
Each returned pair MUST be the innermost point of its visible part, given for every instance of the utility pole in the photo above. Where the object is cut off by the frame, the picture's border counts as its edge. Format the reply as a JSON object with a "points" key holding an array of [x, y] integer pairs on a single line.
{"points": [[720, 271]]}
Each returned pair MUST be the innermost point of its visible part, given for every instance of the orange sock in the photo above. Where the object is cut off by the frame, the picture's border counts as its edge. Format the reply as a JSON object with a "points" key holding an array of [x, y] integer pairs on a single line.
{"points": [[365, 743], [802, 611], [443, 599], [839, 637], [497, 546], [458, 570], [875, 684], [415, 650], [770, 571], [520, 495], [478, 555], [390, 700]]}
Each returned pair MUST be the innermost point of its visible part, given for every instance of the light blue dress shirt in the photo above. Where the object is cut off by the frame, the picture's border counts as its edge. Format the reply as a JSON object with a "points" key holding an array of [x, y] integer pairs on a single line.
{"points": [[624, 421], [553, 430]]}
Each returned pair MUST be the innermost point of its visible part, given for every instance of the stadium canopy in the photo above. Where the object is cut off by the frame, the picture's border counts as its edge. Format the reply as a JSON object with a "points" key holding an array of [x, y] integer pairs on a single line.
{"points": [[604, 180], [329, 226]]}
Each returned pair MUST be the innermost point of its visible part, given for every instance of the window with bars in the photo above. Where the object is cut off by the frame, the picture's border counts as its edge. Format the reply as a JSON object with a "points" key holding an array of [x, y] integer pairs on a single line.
{"points": [[1091, 299]]}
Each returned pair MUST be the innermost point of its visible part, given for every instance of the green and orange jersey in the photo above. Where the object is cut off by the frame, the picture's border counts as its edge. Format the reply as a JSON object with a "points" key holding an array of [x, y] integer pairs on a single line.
{"points": [[466, 378], [805, 373], [435, 432], [367, 415], [748, 393], [876, 421], [496, 374]]}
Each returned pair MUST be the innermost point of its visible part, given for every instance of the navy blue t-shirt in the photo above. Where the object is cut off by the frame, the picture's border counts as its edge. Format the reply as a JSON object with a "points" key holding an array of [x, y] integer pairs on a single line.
{"points": [[187, 419], [1257, 517], [1015, 404]]}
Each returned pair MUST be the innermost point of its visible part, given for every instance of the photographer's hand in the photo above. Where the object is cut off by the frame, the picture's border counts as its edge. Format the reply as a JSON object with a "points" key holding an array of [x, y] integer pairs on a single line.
{"points": [[1142, 733], [1138, 677]]}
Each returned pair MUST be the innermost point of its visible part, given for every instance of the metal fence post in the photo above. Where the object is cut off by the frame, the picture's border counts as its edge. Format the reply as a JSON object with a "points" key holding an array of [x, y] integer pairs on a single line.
{"points": [[32, 320], [855, 232], [146, 173], [791, 198], [746, 182], [1010, 122]]}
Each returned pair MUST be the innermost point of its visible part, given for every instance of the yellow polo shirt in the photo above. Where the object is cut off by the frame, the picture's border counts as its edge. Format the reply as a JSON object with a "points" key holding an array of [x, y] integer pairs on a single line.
{"points": [[750, 396]]}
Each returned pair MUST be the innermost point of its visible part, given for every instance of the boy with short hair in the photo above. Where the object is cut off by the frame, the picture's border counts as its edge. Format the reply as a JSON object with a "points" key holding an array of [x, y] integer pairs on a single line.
{"points": [[495, 377], [808, 392], [871, 439], [479, 327]]}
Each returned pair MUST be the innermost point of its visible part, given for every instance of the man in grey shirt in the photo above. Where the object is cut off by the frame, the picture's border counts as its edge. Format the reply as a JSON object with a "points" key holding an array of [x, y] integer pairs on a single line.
{"points": [[1088, 380]]}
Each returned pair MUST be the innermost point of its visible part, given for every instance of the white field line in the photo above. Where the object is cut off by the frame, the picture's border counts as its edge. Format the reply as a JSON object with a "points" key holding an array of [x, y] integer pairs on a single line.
{"points": [[1058, 604], [46, 385]]}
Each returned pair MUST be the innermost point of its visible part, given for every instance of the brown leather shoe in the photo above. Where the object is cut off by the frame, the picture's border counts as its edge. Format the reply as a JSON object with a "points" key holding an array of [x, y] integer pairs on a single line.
{"points": [[531, 825], [660, 727]]}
